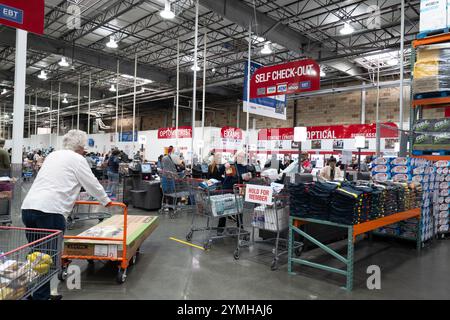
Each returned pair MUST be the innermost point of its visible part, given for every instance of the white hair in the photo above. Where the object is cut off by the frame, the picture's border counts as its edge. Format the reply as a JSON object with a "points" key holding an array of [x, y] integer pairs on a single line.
{"points": [[74, 139]]}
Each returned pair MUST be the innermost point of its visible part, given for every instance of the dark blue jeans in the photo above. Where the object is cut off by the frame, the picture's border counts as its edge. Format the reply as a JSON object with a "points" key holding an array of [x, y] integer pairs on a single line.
{"points": [[41, 220]]}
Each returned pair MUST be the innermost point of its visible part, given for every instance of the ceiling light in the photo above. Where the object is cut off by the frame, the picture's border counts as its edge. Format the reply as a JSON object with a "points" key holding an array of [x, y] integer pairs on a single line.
{"points": [[112, 43], [260, 39], [195, 68], [4, 91], [347, 29], [63, 62], [167, 13], [266, 49], [33, 108], [65, 100], [113, 88], [6, 116], [42, 75], [213, 70], [393, 62], [322, 73]]}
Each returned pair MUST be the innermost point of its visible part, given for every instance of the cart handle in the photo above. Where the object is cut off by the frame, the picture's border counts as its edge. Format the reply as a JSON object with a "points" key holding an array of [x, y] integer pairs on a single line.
{"points": [[96, 203]]}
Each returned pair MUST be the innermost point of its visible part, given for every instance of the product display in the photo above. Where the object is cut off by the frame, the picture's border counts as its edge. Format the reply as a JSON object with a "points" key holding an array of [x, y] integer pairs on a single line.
{"points": [[225, 204], [432, 134]]}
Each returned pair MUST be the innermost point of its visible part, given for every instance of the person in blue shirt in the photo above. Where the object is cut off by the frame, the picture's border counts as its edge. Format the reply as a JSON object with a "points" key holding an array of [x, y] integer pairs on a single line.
{"points": [[113, 173]]}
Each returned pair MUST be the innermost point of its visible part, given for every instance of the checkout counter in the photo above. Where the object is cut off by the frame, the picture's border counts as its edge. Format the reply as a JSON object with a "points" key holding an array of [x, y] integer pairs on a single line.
{"points": [[146, 187]]}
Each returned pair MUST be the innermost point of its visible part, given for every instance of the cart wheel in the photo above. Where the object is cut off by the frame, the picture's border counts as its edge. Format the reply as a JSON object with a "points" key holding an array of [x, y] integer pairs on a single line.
{"points": [[274, 265], [298, 251], [207, 245], [101, 219], [121, 276], [236, 254], [62, 274], [189, 236], [133, 260]]}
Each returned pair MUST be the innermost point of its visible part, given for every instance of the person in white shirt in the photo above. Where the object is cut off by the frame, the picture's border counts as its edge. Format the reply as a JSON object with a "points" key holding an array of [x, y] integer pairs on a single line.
{"points": [[331, 172], [52, 196]]}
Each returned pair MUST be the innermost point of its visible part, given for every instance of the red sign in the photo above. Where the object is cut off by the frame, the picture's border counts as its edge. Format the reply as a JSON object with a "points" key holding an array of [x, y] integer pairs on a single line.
{"points": [[286, 78], [332, 132], [447, 112], [231, 133], [23, 14], [171, 133]]}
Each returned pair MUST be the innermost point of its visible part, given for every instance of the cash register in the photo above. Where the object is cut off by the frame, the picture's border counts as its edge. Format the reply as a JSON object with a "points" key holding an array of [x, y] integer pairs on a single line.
{"points": [[147, 193], [146, 171]]}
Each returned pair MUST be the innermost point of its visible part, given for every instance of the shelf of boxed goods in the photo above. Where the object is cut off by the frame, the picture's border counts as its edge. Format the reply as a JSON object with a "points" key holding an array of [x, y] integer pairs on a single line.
{"points": [[429, 102], [353, 231]]}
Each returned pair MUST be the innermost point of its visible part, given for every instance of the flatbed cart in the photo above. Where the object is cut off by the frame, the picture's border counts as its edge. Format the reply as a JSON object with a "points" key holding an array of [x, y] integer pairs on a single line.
{"points": [[29, 258], [77, 215], [115, 249], [214, 204], [273, 217]]}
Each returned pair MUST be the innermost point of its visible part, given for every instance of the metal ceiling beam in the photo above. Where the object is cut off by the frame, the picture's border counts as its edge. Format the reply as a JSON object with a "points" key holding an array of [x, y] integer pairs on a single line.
{"points": [[90, 57], [240, 13]]}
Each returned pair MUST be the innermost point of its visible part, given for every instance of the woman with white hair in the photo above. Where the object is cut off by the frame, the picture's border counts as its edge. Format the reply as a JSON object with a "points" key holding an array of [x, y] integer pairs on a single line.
{"points": [[54, 191]]}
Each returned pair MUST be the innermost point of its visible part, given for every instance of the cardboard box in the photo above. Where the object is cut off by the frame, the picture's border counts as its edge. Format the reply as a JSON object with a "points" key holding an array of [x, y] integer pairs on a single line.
{"points": [[433, 15], [139, 229]]}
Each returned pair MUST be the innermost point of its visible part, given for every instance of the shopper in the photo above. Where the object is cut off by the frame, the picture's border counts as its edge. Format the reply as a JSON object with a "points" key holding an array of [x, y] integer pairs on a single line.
{"points": [[113, 173], [365, 165], [38, 159], [57, 185], [5, 163], [331, 172], [235, 173], [215, 170]]}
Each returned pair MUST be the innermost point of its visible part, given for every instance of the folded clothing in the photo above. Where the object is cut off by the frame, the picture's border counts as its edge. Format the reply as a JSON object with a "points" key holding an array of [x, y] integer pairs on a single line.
{"points": [[299, 199]]}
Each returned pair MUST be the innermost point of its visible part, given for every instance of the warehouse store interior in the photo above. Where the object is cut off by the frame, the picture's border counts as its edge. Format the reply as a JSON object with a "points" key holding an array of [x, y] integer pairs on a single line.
{"points": [[216, 150]]}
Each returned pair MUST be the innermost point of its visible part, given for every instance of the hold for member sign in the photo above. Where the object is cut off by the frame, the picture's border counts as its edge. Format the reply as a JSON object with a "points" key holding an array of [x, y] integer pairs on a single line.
{"points": [[258, 194]]}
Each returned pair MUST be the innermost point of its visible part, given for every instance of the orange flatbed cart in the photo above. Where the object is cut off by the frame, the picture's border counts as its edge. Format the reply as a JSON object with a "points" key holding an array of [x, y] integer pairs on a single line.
{"points": [[353, 231]]}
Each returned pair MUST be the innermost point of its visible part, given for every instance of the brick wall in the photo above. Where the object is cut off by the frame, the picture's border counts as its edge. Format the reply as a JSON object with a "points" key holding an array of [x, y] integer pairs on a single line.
{"points": [[331, 109]]}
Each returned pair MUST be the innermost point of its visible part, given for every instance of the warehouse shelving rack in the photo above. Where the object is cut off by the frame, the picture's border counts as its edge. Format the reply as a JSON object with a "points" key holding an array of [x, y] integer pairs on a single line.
{"points": [[418, 105]]}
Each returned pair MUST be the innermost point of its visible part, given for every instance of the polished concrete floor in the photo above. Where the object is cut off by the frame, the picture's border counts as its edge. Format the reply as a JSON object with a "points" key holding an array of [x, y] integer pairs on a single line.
{"points": [[170, 270]]}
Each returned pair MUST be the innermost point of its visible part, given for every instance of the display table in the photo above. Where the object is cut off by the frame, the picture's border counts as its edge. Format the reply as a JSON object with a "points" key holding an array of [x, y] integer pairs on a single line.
{"points": [[352, 231]]}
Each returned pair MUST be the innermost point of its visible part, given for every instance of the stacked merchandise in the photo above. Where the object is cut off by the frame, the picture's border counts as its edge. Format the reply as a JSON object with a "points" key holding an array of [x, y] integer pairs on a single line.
{"points": [[320, 199], [378, 198], [381, 170], [347, 206], [431, 70], [299, 199], [432, 135], [442, 196]]}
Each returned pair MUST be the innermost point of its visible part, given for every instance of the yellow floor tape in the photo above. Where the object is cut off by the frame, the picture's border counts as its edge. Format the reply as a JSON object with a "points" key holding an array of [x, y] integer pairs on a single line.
{"points": [[187, 243]]}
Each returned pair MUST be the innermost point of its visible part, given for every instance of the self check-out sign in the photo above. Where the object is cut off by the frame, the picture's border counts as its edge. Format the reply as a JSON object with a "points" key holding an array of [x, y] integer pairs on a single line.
{"points": [[27, 15]]}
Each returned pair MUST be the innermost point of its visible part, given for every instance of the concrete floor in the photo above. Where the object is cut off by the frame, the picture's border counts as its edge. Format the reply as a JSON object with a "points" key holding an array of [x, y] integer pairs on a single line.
{"points": [[170, 270]]}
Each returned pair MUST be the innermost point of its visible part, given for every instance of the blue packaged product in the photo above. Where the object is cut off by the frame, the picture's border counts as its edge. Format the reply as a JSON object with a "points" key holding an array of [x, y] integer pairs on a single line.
{"points": [[400, 161], [381, 168], [418, 170], [401, 169], [401, 177], [382, 176], [417, 178], [380, 160]]}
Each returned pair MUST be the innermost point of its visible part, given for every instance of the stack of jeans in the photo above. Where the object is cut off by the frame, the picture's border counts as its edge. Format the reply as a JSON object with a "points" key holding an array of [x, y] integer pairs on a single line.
{"points": [[401, 200], [299, 199], [347, 206], [320, 199], [366, 202], [377, 205], [391, 200]]}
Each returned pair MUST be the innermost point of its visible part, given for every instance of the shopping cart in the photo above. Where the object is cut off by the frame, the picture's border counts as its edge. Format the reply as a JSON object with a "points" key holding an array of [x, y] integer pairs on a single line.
{"points": [[6, 195], [212, 204], [119, 194], [124, 259], [27, 170], [177, 193], [273, 217], [29, 258], [85, 212]]}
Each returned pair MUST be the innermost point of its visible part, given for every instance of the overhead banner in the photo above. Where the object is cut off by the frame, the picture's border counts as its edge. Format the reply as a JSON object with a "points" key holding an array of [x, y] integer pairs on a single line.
{"points": [[326, 139], [272, 107], [231, 133], [171, 133], [287, 78], [27, 15]]}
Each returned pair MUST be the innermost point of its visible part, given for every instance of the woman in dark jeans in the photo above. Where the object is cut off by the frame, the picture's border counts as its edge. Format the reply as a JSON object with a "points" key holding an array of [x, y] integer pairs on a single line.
{"points": [[113, 173]]}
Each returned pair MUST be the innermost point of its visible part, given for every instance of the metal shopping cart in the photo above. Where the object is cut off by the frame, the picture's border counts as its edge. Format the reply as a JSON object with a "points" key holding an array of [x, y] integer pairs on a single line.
{"points": [[213, 204], [27, 170], [6, 196], [86, 212], [177, 193], [119, 190], [269, 214], [29, 258]]}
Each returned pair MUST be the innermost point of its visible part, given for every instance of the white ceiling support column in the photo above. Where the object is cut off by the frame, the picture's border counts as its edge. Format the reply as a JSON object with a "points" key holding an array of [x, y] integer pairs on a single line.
{"points": [[117, 97], [247, 133], [89, 105], [194, 89], [204, 95], [78, 106], [134, 95], [177, 103]]}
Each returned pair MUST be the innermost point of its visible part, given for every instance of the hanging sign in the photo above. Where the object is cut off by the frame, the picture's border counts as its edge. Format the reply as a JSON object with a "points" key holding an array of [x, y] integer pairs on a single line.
{"points": [[286, 78], [142, 139], [171, 133], [273, 107], [231, 133], [23, 14]]}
